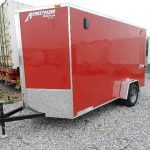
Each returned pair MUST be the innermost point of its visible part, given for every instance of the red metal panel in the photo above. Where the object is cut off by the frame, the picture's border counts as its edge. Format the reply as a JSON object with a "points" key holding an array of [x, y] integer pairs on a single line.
{"points": [[102, 56], [45, 48]]}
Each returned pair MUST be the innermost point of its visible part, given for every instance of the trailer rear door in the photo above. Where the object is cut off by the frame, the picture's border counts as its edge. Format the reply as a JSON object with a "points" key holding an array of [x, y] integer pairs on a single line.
{"points": [[45, 48]]}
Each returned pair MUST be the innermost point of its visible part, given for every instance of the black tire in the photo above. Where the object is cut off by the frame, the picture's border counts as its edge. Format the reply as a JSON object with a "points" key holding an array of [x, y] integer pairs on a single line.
{"points": [[132, 95]]}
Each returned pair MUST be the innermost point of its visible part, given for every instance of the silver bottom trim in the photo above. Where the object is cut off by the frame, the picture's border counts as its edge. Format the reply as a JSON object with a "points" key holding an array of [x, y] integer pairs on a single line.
{"points": [[54, 103], [82, 112]]}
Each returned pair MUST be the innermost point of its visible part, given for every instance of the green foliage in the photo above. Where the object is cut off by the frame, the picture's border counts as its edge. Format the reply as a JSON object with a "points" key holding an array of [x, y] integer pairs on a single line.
{"points": [[9, 102], [18, 85]]}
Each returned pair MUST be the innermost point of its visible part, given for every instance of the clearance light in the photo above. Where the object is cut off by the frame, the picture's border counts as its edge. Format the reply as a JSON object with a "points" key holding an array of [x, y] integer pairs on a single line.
{"points": [[57, 5]]}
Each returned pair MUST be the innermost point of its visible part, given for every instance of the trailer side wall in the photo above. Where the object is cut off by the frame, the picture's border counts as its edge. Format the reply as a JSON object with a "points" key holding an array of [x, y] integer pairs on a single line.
{"points": [[103, 55]]}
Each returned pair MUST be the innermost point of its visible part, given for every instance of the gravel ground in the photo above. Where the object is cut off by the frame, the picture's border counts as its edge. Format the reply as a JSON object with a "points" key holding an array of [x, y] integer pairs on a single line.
{"points": [[111, 127]]}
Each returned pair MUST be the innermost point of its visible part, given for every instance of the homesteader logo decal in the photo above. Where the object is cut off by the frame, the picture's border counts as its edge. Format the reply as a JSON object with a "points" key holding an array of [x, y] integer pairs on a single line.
{"points": [[44, 13]]}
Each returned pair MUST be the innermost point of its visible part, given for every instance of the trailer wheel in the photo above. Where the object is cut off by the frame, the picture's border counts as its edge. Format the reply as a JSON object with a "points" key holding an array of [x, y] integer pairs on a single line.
{"points": [[132, 95]]}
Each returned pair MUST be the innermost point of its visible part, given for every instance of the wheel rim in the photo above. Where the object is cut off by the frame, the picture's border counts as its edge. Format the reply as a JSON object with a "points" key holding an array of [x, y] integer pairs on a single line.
{"points": [[133, 96]]}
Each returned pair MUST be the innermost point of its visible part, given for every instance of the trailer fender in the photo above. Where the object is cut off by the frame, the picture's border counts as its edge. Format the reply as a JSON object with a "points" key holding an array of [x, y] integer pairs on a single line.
{"points": [[125, 87]]}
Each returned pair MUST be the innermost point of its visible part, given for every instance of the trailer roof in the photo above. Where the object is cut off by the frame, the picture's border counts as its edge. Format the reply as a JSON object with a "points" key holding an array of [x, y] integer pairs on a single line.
{"points": [[82, 9]]}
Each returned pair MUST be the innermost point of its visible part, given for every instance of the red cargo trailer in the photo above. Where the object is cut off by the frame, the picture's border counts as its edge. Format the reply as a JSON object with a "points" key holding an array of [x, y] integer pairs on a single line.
{"points": [[74, 61]]}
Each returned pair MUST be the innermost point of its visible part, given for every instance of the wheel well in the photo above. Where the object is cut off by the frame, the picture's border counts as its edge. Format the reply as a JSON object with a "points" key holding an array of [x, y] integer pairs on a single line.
{"points": [[125, 87], [137, 84]]}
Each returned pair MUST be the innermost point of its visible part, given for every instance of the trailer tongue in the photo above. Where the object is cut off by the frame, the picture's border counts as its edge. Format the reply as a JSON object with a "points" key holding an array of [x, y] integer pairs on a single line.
{"points": [[8, 117]]}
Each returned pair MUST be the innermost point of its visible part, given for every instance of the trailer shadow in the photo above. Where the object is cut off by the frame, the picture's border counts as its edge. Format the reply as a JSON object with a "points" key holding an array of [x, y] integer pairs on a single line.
{"points": [[78, 122]]}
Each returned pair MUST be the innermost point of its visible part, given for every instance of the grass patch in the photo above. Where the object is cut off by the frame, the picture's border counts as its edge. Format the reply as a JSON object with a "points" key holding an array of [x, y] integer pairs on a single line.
{"points": [[1, 96], [14, 97], [9, 102]]}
